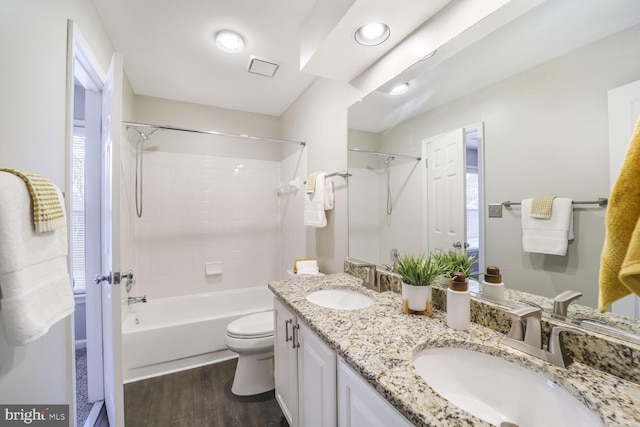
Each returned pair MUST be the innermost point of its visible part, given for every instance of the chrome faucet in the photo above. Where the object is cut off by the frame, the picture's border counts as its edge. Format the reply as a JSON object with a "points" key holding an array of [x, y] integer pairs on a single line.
{"points": [[531, 344], [369, 280], [533, 334], [135, 300], [561, 302]]}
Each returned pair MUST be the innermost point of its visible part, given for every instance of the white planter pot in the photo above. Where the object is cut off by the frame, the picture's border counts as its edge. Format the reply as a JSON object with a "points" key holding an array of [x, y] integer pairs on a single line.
{"points": [[417, 296]]}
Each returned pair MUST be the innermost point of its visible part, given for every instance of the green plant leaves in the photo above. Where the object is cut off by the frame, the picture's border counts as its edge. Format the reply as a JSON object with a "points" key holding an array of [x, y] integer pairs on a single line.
{"points": [[422, 270], [418, 270]]}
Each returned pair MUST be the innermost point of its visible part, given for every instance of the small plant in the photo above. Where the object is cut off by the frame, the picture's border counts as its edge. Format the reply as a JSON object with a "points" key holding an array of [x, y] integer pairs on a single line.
{"points": [[418, 270], [454, 261]]}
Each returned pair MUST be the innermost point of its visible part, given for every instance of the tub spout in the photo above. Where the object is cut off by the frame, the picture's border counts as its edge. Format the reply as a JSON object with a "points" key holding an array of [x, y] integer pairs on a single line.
{"points": [[135, 300]]}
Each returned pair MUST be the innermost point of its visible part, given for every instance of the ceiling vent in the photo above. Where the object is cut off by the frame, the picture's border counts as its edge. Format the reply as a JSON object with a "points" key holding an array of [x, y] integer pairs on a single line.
{"points": [[264, 68]]}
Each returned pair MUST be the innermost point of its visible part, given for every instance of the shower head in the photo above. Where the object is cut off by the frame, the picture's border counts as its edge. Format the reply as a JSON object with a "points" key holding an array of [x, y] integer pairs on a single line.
{"points": [[385, 158]]}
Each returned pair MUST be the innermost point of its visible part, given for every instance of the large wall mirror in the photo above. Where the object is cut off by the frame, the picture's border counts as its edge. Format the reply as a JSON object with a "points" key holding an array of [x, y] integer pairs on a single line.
{"points": [[531, 98]]}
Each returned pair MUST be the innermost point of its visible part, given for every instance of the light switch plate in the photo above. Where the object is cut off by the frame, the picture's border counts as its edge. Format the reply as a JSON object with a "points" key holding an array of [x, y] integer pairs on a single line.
{"points": [[495, 210]]}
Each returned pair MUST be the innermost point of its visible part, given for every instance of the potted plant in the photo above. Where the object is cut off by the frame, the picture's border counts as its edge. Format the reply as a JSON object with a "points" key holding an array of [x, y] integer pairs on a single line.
{"points": [[418, 273], [454, 262]]}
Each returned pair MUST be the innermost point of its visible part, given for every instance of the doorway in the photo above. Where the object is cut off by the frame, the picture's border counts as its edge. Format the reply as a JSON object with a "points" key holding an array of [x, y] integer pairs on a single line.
{"points": [[454, 192], [84, 243]]}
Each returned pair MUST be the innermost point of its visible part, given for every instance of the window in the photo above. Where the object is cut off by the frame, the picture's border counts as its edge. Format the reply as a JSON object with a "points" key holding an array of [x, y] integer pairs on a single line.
{"points": [[473, 220], [77, 210]]}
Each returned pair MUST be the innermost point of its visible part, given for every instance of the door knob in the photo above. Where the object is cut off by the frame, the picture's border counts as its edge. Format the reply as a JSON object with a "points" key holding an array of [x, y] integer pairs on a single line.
{"points": [[100, 278]]}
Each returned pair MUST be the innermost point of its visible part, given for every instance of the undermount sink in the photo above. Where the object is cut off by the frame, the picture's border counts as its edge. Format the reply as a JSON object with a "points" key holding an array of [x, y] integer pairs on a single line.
{"points": [[340, 299], [499, 391]]}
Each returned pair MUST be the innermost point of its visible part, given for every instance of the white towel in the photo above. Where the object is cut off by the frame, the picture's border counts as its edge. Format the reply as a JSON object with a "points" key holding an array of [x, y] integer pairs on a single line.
{"points": [[548, 236], [314, 204], [34, 281], [309, 267], [328, 194]]}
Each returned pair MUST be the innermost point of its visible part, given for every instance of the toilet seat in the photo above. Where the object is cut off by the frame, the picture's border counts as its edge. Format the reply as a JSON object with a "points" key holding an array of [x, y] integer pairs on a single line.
{"points": [[253, 326]]}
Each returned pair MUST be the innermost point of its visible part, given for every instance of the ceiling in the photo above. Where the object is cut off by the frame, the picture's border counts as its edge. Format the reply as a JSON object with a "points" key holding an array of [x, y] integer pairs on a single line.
{"points": [[169, 49], [512, 44]]}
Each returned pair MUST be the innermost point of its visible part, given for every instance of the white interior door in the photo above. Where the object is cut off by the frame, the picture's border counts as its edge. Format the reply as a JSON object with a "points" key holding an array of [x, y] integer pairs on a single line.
{"points": [[446, 196], [111, 316], [624, 112]]}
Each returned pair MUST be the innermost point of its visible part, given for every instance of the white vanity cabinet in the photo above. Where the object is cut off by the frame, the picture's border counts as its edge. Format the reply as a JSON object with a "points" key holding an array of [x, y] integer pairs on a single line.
{"points": [[315, 388], [305, 372], [286, 362], [360, 405], [316, 380]]}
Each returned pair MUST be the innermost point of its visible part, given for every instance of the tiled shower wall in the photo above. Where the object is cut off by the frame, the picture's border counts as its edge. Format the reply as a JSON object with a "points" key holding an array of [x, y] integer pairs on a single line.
{"points": [[199, 209], [372, 232]]}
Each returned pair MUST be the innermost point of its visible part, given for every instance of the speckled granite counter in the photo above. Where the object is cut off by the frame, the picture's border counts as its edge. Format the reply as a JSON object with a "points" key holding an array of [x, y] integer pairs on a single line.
{"points": [[379, 342]]}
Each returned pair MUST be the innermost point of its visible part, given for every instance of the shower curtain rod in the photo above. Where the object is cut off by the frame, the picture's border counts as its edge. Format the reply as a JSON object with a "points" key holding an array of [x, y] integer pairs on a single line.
{"points": [[208, 132], [380, 153]]}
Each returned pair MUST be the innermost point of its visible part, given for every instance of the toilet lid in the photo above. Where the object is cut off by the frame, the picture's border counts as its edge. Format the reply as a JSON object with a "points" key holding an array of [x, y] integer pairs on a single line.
{"points": [[256, 325]]}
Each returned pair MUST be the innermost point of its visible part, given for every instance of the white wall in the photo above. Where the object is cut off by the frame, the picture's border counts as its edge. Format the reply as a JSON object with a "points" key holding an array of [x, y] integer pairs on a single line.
{"points": [[319, 117], [193, 116], [364, 214], [293, 234], [545, 133], [33, 36]]}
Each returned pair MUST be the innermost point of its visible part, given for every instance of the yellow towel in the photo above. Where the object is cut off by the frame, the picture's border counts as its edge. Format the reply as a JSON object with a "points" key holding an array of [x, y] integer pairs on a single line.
{"points": [[620, 261], [311, 182], [48, 213], [541, 207]]}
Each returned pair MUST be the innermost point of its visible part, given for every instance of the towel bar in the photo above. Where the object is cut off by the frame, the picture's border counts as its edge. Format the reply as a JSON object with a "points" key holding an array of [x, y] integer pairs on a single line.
{"points": [[602, 202], [343, 174]]}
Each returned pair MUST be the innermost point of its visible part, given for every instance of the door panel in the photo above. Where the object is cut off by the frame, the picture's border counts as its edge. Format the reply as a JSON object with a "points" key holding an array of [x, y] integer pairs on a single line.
{"points": [[111, 316], [446, 197]]}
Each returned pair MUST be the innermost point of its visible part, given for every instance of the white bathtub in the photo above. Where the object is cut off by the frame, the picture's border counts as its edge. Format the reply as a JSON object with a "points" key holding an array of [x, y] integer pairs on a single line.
{"points": [[173, 334]]}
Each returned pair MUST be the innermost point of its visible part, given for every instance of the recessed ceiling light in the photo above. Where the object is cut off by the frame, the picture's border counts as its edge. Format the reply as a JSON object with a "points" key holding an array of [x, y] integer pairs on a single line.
{"points": [[229, 41], [372, 33], [399, 89]]}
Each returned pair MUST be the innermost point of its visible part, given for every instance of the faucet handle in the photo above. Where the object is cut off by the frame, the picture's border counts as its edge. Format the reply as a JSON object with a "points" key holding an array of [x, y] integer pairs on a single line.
{"points": [[557, 348], [517, 315], [561, 302]]}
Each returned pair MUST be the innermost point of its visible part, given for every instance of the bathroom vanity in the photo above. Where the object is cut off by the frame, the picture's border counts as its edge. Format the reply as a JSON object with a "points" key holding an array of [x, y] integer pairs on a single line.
{"points": [[354, 366]]}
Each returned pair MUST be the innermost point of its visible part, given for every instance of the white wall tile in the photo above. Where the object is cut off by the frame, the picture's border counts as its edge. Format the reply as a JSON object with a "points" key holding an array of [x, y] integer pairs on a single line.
{"points": [[200, 209]]}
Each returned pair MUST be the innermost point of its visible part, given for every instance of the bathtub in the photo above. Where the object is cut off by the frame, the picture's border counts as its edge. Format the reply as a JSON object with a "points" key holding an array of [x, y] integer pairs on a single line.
{"points": [[172, 334]]}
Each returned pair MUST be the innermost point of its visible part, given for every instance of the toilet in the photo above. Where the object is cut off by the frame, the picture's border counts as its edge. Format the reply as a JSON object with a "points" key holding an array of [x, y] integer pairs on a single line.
{"points": [[252, 338]]}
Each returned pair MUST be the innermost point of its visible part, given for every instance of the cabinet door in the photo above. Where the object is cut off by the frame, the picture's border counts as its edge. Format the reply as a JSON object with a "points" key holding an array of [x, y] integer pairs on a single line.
{"points": [[316, 380], [359, 405], [286, 362]]}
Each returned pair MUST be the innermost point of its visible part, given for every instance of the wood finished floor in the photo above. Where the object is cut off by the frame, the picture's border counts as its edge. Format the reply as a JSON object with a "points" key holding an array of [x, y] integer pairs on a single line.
{"points": [[199, 397]]}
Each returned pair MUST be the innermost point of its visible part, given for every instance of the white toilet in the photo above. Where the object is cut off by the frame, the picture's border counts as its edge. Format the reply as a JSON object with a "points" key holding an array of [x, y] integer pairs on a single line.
{"points": [[252, 338]]}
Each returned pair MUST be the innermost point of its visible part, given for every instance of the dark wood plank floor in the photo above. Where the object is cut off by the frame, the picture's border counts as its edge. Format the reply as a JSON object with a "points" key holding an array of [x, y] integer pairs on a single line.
{"points": [[199, 397]]}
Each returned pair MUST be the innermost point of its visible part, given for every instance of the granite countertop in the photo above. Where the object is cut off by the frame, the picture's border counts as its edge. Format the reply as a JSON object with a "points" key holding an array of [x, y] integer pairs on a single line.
{"points": [[380, 341]]}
